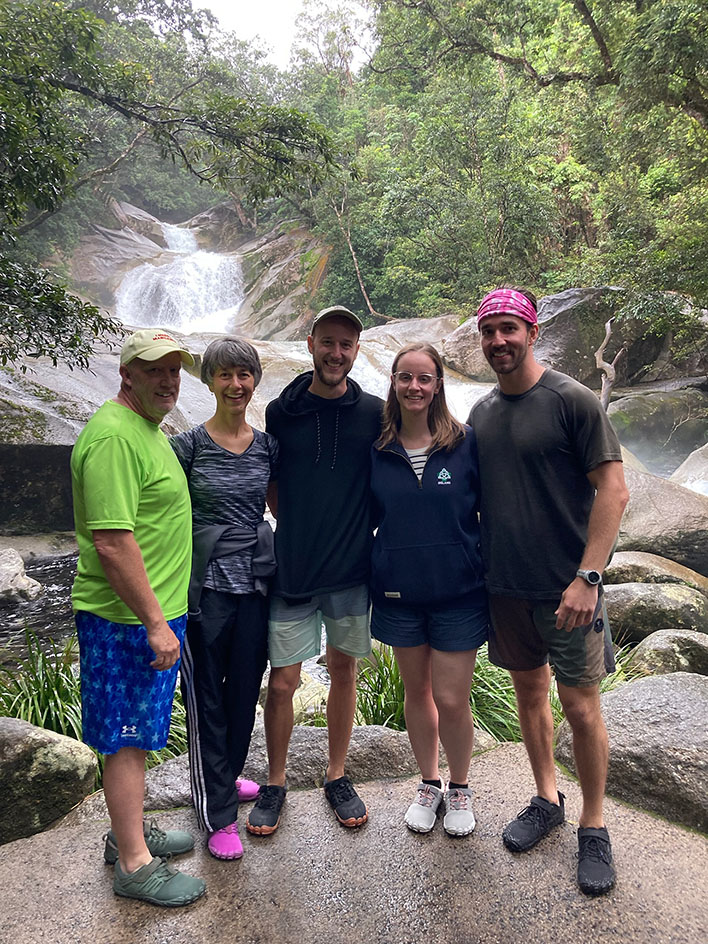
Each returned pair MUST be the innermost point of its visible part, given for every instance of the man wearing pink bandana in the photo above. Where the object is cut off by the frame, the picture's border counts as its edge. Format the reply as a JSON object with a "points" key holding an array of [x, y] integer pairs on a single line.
{"points": [[552, 497]]}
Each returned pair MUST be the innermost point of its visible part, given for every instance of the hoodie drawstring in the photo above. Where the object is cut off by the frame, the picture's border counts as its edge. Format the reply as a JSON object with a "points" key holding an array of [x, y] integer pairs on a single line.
{"points": [[319, 439]]}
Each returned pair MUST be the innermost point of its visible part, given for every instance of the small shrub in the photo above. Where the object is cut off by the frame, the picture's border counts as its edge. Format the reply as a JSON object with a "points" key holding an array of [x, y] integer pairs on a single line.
{"points": [[45, 689], [380, 691], [493, 700]]}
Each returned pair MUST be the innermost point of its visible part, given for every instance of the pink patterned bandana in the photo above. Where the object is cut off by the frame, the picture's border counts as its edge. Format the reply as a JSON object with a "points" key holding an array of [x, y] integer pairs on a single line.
{"points": [[505, 301]]}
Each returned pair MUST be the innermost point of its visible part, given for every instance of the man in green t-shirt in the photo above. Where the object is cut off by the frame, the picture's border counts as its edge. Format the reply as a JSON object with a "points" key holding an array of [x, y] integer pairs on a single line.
{"points": [[133, 528]]}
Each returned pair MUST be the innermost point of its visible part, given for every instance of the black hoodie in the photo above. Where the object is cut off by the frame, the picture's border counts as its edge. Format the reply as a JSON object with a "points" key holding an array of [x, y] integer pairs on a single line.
{"points": [[324, 533]]}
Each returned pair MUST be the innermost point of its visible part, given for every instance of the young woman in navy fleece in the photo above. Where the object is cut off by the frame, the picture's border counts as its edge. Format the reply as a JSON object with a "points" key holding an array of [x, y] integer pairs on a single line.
{"points": [[427, 588]]}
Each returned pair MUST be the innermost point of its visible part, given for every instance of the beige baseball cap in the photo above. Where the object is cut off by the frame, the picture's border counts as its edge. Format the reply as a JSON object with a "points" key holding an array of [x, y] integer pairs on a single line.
{"points": [[339, 311], [150, 344]]}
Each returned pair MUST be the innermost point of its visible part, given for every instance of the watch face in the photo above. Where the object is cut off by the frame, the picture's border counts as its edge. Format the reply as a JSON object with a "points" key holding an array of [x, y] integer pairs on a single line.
{"points": [[592, 576]]}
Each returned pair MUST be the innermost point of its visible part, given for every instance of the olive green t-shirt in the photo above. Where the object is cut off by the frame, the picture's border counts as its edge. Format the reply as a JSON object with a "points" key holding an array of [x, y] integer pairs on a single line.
{"points": [[126, 476]]}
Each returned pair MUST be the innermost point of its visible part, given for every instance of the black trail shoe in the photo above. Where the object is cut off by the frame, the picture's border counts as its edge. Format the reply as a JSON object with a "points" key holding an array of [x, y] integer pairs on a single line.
{"points": [[345, 801], [596, 874], [533, 823], [264, 818]]}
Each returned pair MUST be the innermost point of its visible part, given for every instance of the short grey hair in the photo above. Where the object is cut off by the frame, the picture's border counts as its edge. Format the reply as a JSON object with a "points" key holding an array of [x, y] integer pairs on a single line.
{"points": [[230, 352]]}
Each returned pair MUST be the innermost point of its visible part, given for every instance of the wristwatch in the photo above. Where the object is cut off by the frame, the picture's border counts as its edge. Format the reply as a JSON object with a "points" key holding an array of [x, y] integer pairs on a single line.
{"points": [[591, 576]]}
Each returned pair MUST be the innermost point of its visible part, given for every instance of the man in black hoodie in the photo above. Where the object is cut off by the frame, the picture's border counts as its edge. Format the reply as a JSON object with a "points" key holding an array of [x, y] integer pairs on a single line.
{"points": [[325, 426]]}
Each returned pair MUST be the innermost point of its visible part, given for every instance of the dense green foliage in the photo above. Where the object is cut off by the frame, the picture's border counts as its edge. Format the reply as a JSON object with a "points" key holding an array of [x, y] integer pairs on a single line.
{"points": [[83, 99], [492, 698], [548, 143], [552, 143], [44, 690]]}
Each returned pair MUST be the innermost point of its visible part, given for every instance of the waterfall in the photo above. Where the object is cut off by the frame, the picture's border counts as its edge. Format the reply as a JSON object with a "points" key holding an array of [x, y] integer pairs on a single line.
{"points": [[188, 290]]}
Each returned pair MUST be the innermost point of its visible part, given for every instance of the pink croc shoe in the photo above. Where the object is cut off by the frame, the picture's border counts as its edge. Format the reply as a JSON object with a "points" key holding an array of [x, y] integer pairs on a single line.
{"points": [[246, 789], [225, 843]]}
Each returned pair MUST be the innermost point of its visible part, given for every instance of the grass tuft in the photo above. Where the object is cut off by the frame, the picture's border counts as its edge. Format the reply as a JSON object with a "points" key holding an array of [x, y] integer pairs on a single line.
{"points": [[45, 690]]}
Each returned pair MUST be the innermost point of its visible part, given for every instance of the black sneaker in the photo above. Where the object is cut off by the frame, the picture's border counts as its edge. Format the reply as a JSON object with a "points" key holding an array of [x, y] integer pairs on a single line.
{"points": [[345, 801], [533, 823], [596, 874], [264, 818]]}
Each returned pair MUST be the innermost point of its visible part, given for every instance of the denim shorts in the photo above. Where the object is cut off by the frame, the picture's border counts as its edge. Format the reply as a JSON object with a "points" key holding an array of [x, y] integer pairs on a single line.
{"points": [[295, 629], [453, 627], [524, 637], [124, 701]]}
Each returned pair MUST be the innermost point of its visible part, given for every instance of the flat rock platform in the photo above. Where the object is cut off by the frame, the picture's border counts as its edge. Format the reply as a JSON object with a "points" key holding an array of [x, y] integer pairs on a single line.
{"points": [[316, 882]]}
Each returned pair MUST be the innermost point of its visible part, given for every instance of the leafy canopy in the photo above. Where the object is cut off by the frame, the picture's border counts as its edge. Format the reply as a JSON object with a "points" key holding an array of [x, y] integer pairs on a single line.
{"points": [[57, 66]]}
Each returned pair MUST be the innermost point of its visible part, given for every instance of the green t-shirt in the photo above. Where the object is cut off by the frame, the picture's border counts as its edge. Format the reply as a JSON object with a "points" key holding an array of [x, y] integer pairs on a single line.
{"points": [[126, 476]]}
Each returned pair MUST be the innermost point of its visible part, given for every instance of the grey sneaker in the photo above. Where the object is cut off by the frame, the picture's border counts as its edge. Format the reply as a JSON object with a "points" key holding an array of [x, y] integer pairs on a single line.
{"points": [[348, 806], [533, 823], [459, 818], [421, 814], [264, 818], [158, 883], [596, 873], [159, 842]]}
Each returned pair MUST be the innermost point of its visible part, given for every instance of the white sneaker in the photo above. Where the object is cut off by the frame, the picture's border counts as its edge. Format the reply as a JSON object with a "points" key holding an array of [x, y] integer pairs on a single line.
{"points": [[459, 818], [421, 814]]}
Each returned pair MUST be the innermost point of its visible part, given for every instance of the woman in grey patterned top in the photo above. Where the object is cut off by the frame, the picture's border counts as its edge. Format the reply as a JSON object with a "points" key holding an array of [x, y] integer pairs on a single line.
{"points": [[229, 466]]}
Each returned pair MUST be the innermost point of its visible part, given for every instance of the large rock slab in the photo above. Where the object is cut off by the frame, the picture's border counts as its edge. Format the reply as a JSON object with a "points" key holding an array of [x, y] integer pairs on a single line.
{"points": [[104, 255], [665, 519], [221, 228], [642, 567], [670, 650], [572, 327], [374, 751], [693, 471], [662, 427], [42, 776], [638, 609], [314, 881], [281, 275], [461, 350], [15, 585], [658, 746]]}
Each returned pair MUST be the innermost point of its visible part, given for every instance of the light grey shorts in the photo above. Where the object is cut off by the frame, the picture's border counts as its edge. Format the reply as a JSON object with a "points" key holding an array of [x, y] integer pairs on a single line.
{"points": [[295, 629]]}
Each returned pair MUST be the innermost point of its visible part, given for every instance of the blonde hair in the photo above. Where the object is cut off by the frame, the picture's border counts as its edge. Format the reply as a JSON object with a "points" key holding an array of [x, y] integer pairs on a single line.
{"points": [[445, 429]]}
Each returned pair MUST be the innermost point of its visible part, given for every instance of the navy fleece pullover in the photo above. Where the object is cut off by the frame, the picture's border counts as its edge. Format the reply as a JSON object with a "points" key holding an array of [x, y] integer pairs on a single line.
{"points": [[426, 550]]}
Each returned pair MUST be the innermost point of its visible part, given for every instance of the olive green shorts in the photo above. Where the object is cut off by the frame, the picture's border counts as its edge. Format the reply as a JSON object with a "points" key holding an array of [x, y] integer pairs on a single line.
{"points": [[524, 637]]}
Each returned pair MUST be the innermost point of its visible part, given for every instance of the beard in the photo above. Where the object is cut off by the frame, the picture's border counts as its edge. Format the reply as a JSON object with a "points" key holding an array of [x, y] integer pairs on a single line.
{"points": [[330, 378]]}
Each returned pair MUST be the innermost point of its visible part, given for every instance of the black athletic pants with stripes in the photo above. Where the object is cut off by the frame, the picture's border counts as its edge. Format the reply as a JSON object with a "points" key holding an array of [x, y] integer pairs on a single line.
{"points": [[223, 660]]}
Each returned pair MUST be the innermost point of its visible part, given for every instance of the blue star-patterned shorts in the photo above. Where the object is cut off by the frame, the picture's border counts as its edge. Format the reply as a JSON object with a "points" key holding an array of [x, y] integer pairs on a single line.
{"points": [[124, 701]]}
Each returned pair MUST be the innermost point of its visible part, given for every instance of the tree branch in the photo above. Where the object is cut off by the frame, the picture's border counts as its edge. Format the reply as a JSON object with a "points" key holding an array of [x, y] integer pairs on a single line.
{"points": [[589, 21], [608, 370]]}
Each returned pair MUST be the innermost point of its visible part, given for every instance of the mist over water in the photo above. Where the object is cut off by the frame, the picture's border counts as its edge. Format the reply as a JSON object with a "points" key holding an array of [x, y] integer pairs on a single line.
{"points": [[195, 291]]}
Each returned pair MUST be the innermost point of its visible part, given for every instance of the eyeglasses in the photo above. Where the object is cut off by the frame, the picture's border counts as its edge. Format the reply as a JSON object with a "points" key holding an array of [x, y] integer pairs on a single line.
{"points": [[425, 380]]}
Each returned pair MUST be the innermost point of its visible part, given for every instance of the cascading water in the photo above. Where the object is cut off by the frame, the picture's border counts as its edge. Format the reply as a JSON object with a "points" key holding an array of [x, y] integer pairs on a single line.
{"points": [[190, 291]]}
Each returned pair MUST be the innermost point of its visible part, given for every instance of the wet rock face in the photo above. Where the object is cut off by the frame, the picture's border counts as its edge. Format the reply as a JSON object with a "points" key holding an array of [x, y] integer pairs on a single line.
{"points": [[671, 650], [104, 256], [641, 567], [461, 350], [658, 746], [638, 609], [665, 519], [693, 471], [15, 585], [36, 489], [572, 327], [662, 428], [42, 776]]}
